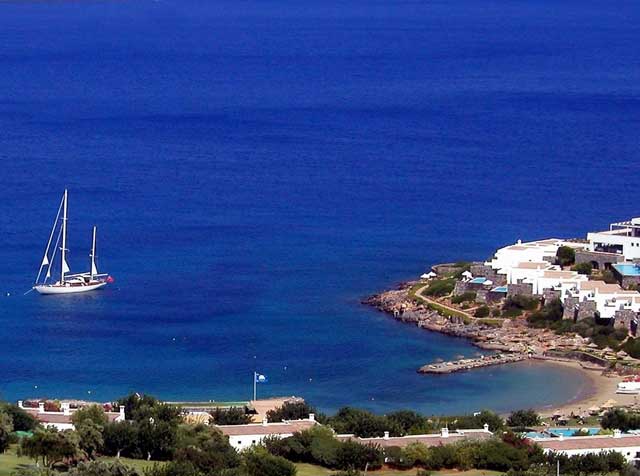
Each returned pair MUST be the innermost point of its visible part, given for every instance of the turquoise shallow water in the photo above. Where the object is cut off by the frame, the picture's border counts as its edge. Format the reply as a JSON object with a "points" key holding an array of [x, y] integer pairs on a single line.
{"points": [[255, 169]]}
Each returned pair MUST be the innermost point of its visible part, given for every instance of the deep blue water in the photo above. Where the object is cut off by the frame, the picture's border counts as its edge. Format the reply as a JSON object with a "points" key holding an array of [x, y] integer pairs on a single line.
{"points": [[256, 167]]}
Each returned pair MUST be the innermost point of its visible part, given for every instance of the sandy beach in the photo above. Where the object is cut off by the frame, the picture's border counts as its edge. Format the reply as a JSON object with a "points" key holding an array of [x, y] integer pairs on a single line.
{"points": [[598, 390]]}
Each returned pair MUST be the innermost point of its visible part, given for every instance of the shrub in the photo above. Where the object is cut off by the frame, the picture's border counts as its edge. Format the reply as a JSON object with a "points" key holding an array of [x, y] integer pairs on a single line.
{"points": [[440, 287], [565, 256], [582, 268], [466, 296], [608, 277], [291, 411], [482, 311], [230, 416], [523, 419]]}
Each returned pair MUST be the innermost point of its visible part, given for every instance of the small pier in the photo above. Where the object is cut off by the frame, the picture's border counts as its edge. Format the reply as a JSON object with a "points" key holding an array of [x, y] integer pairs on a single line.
{"points": [[468, 364]]}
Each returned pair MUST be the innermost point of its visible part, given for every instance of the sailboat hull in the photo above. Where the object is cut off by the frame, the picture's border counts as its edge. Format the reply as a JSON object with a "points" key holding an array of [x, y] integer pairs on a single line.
{"points": [[68, 289]]}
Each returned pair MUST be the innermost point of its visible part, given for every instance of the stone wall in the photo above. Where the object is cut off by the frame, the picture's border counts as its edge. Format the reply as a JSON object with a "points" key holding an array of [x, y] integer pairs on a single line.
{"points": [[623, 319], [628, 282], [549, 295], [569, 311], [586, 309], [517, 289], [480, 269], [604, 260]]}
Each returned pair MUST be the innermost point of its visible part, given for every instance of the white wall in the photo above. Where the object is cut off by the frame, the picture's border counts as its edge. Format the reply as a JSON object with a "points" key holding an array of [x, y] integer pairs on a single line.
{"points": [[631, 453], [240, 442], [630, 244]]}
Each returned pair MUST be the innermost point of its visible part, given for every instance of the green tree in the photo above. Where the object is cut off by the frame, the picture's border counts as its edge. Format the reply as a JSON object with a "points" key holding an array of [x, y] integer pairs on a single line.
{"points": [[6, 427], [230, 416], [291, 411], [352, 455], [482, 311], [90, 435], [50, 446], [206, 448], [93, 413], [22, 421], [582, 268], [565, 256], [102, 468], [523, 419], [362, 423], [258, 462], [119, 438]]}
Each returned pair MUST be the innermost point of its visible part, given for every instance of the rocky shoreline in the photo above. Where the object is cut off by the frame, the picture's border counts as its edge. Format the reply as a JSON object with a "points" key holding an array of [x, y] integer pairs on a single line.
{"points": [[512, 336]]}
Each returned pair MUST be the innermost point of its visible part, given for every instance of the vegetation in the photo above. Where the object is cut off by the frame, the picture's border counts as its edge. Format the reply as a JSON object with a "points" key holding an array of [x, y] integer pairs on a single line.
{"points": [[468, 296], [618, 419], [230, 416], [291, 411], [523, 419], [405, 422], [583, 268], [603, 335], [319, 446], [565, 256], [608, 277], [514, 305], [440, 287], [482, 311]]}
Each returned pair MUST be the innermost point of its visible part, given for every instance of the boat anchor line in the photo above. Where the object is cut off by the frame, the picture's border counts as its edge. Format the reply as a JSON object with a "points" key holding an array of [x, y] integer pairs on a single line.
{"points": [[68, 283]]}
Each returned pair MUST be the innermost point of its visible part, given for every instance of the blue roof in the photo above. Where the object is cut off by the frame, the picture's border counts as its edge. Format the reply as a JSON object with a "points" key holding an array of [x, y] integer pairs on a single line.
{"points": [[499, 289], [478, 280]]}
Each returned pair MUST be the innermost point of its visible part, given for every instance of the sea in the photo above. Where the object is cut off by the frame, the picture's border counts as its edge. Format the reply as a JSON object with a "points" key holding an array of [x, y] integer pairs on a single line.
{"points": [[257, 167]]}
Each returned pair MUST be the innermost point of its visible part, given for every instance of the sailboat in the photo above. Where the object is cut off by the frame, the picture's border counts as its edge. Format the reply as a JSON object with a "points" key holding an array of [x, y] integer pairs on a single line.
{"points": [[68, 283]]}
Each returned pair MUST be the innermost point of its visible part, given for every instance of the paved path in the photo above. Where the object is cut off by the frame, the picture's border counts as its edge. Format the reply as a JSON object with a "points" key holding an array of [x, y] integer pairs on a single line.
{"points": [[432, 301]]}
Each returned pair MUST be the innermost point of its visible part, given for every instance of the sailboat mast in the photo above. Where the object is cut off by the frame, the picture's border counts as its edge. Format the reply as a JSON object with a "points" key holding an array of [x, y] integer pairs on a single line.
{"points": [[93, 253], [64, 239]]}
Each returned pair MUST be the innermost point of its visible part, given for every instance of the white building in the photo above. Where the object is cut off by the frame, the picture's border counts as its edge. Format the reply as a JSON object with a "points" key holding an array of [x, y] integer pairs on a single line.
{"points": [[540, 251], [245, 436], [62, 420], [622, 238], [609, 298], [445, 437], [627, 445]]}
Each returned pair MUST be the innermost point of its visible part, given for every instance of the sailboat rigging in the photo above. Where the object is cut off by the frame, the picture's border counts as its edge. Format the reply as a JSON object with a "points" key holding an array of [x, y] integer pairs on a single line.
{"points": [[68, 283]]}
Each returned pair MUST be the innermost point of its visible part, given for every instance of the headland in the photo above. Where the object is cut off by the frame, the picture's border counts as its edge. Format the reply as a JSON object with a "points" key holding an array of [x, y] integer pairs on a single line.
{"points": [[572, 302]]}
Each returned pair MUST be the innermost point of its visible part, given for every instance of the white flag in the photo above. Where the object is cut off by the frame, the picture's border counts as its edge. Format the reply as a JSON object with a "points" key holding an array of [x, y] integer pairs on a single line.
{"points": [[45, 261], [48, 273], [65, 266], [94, 270]]}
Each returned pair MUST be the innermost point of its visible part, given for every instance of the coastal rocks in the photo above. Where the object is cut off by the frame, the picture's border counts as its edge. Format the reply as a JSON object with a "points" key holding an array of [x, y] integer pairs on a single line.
{"points": [[468, 364]]}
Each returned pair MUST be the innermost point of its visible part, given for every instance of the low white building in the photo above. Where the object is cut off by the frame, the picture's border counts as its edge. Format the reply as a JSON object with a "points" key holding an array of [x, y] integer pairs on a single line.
{"points": [[609, 298], [622, 238], [245, 436], [62, 420], [541, 251], [627, 445], [445, 437]]}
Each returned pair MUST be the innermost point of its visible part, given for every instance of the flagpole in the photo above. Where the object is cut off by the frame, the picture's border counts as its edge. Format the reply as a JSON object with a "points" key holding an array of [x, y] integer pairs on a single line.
{"points": [[255, 384]]}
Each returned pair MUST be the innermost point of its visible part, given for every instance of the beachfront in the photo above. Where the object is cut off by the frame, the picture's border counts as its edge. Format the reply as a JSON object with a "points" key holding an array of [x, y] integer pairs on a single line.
{"points": [[569, 302]]}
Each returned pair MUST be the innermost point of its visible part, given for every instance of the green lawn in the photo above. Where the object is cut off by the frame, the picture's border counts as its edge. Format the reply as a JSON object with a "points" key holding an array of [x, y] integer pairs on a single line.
{"points": [[10, 462], [311, 470]]}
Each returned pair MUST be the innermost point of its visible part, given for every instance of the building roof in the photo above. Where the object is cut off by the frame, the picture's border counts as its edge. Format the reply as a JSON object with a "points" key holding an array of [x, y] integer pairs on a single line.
{"points": [[533, 265], [589, 442], [283, 428], [60, 417], [600, 286], [427, 440]]}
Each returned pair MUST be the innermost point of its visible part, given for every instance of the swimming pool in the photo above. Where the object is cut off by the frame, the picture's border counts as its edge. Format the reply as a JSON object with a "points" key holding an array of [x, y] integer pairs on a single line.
{"points": [[627, 269], [571, 431], [557, 432]]}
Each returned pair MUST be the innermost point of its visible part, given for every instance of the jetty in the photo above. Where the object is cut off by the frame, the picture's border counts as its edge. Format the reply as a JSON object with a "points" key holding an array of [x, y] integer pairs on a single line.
{"points": [[468, 364]]}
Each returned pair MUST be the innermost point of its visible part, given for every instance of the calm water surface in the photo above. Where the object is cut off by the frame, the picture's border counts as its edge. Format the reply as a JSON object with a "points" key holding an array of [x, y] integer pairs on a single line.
{"points": [[255, 168]]}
